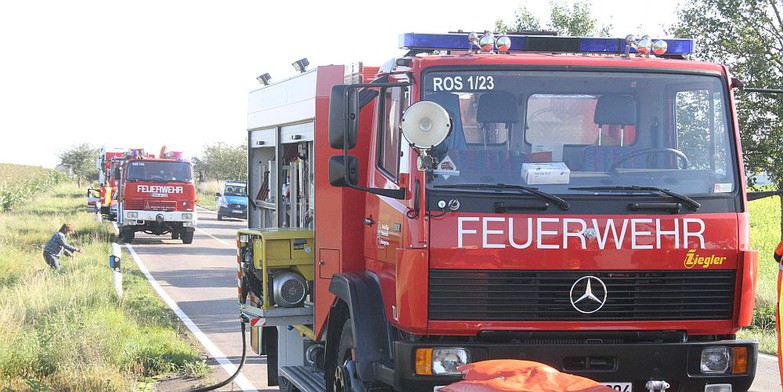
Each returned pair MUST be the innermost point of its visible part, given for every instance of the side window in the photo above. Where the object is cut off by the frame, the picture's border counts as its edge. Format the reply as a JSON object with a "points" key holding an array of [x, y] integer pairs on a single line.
{"points": [[389, 137], [702, 133]]}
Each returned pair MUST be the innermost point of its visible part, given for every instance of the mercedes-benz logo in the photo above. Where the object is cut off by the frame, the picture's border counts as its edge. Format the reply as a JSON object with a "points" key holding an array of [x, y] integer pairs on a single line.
{"points": [[588, 294]]}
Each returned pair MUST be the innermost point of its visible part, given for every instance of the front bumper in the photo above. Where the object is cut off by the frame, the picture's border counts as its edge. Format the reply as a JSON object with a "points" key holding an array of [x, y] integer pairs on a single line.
{"points": [[233, 212], [141, 217], [675, 363]]}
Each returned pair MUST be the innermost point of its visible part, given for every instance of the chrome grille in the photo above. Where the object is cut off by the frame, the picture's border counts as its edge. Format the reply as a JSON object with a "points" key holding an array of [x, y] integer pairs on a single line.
{"points": [[544, 295]]}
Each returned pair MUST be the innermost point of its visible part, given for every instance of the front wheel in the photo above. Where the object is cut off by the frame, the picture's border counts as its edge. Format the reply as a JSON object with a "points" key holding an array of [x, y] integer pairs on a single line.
{"points": [[187, 237], [127, 235], [346, 378]]}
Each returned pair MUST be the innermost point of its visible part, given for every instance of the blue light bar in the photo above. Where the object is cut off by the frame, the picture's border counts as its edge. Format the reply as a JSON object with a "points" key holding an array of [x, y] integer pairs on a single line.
{"points": [[417, 42]]}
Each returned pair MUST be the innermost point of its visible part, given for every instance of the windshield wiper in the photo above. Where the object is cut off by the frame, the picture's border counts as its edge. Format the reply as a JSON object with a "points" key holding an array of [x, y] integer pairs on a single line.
{"points": [[562, 204], [692, 205]]}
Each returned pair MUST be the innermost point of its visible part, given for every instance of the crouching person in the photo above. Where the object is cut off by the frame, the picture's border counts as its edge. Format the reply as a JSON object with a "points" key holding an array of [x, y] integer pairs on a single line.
{"points": [[58, 245]]}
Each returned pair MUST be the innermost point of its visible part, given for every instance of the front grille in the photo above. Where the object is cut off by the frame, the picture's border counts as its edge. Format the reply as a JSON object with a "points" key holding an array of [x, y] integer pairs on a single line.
{"points": [[151, 205], [544, 295]]}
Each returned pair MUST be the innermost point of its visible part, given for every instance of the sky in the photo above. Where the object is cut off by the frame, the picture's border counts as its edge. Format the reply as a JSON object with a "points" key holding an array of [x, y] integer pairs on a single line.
{"points": [[145, 73]]}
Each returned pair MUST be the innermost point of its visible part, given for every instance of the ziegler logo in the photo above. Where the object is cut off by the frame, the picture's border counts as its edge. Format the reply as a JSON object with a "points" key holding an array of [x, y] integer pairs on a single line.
{"points": [[694, 260]]}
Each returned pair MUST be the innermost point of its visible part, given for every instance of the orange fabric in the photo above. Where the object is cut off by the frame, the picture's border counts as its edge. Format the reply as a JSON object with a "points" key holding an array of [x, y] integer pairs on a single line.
{"points": [[501, 375], [779, 328], [779, 252]]}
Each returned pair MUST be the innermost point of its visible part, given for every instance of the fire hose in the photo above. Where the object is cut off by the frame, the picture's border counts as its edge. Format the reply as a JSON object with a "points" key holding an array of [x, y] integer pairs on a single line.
{"points": [[243, 321]]}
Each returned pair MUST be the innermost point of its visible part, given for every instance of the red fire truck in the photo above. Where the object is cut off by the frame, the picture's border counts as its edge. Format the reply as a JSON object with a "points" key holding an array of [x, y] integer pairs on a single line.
{"points": [[106, 203], [579, 202], [156, 195]]}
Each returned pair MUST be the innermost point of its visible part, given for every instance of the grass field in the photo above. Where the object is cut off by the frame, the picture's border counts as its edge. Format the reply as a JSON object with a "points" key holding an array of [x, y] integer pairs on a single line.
{"points": [[205, 192], [19, 182], [764, 236], [69, 330]]}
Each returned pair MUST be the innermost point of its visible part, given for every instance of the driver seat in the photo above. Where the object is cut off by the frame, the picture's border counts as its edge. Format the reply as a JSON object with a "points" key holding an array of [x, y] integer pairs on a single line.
{"points": [[617, 110]]}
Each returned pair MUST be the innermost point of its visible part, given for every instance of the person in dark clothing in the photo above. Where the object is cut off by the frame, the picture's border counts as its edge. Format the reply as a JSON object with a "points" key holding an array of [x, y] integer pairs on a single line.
{"points": [[58, 245]]}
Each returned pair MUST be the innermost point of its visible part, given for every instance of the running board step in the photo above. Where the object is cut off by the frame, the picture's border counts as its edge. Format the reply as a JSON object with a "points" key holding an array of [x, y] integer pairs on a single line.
{"points": [[305, 378]]}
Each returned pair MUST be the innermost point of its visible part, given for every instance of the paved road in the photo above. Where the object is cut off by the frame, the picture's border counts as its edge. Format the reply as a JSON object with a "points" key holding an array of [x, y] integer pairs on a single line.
{"points": [[200, 280]]}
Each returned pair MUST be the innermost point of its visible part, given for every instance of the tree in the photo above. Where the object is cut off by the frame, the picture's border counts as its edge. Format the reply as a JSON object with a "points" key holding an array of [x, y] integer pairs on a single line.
{"points": [[576, 21], [746, 35], [221, 161], [80, 159]]}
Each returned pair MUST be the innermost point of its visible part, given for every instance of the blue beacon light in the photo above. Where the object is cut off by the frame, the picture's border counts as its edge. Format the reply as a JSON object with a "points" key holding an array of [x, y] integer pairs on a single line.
{"points": [[418, 42]]}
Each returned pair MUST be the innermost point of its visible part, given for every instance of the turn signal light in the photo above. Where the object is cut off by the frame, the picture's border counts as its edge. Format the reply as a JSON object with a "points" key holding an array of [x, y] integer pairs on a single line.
{"points": [[424, 361], [740, 360]]}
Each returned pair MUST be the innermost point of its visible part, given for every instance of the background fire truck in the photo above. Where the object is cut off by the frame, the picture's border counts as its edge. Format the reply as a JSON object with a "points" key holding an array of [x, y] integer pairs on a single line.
{"points": [[105, 202], [574, 201], [156, 195]]}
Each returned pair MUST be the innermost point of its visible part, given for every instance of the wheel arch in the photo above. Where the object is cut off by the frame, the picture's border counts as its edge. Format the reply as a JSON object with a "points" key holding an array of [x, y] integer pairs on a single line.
{"points": [[359, 296]]}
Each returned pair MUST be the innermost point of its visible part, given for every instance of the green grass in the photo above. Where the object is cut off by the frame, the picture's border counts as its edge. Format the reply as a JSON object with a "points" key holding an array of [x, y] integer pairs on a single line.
{"points": [[69, 330], [205, 193], [764, 236]]}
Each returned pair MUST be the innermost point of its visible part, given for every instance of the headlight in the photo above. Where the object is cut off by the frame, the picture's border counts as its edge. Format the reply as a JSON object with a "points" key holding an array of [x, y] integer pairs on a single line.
{"points": [[222, 202], [133, 215], [441, 361], [187, 216], [715, 360]]}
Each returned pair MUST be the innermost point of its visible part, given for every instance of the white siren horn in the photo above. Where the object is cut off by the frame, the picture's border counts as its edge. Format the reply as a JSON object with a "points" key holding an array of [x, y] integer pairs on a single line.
{"points": [[425, 124]]}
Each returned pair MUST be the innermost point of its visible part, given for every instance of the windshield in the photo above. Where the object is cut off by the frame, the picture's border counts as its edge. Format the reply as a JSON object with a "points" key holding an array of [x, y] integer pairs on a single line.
{"points": [[234, 190], [575, 132], [159, 171]]}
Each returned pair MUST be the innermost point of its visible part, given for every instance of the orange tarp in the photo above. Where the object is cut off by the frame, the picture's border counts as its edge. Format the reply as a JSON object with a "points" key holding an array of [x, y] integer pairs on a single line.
{"points": [[502, 375]]}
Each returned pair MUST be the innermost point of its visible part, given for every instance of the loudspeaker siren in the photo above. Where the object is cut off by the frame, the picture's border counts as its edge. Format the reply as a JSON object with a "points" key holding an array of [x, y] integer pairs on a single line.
{"points": [[425, 124]]}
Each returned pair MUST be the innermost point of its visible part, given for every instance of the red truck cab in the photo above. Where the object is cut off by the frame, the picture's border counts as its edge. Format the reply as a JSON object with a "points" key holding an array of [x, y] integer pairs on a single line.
{"points": [[579, 202], [157, 196]]}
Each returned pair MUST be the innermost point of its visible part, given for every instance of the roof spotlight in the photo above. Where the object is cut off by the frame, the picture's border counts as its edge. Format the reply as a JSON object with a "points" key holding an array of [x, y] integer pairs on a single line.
{"points": [[264, 79], [301, 64], [487, 42], [659, 47], [503, 43]]}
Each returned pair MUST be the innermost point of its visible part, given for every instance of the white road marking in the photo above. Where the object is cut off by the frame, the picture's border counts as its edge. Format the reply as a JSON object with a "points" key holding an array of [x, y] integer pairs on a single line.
{"points": [[202, 209], [215, 238], [213, 350]]}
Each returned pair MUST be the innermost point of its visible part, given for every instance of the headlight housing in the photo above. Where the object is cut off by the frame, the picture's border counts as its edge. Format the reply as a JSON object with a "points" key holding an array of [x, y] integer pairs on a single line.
{"points": [[716, 360], [187, 216], [442, 361], [133, 215]]}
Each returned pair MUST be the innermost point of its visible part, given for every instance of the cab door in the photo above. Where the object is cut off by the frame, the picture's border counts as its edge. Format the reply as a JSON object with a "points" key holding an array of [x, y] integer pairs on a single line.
{"points": [[385, 220]]}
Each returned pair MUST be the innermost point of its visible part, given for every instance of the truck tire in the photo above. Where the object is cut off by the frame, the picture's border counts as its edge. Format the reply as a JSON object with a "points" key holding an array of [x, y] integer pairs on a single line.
{"points": [[220, 217], [187, 237], [127, 235], [346, 378]]}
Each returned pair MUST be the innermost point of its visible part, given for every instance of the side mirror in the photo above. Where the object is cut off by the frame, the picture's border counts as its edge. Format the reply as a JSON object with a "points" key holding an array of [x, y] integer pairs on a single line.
{"points": [[343, 117], [736, 83], [217, 194], [343, 170]]}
